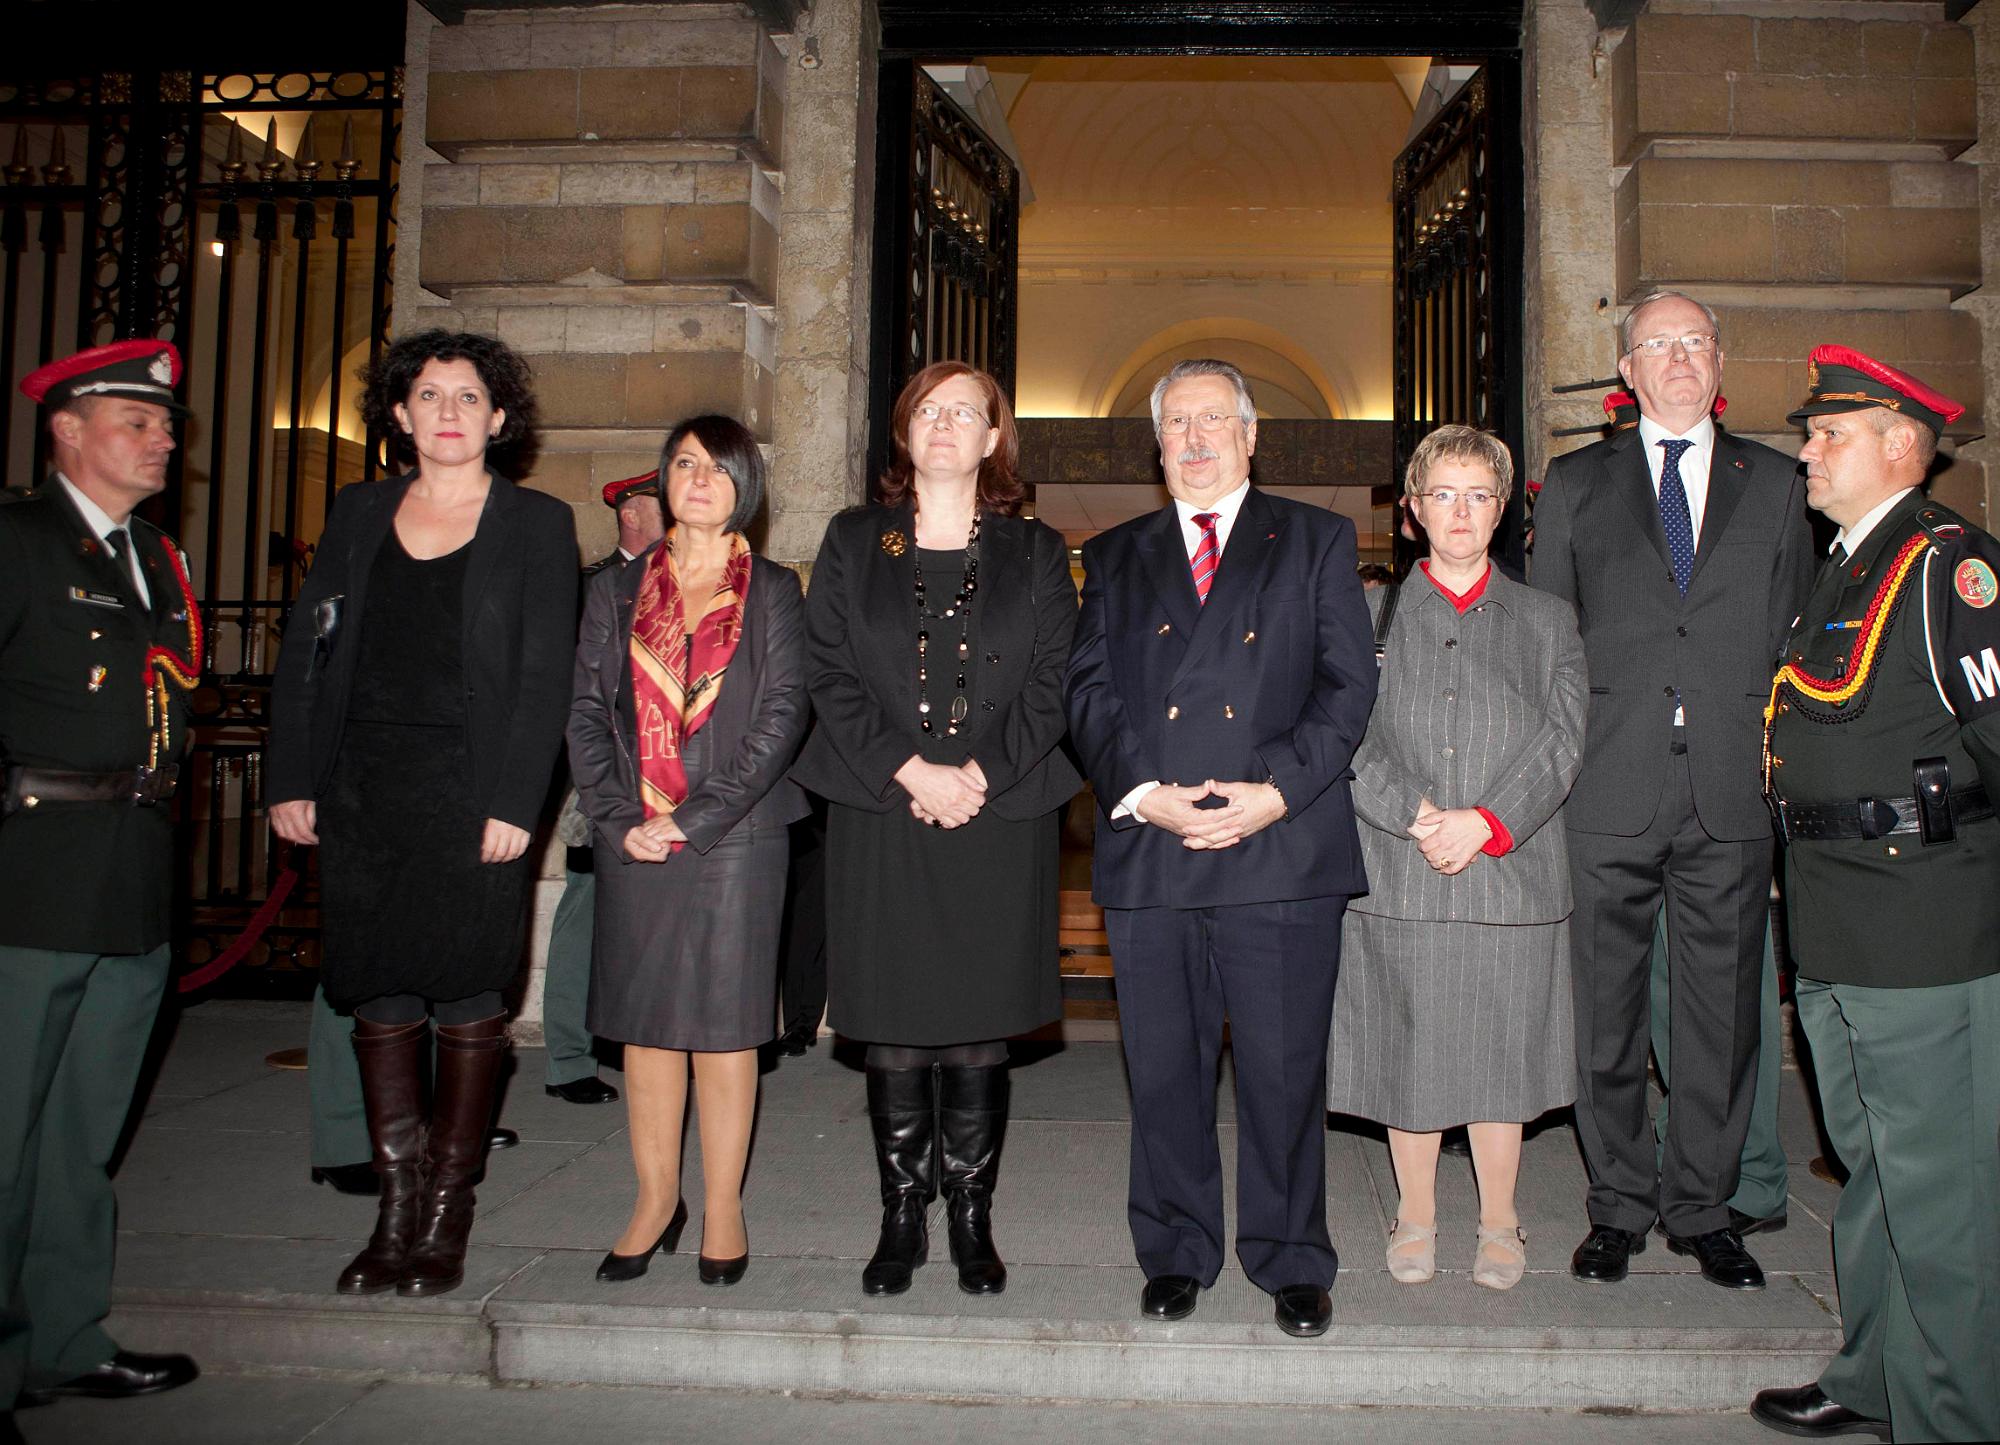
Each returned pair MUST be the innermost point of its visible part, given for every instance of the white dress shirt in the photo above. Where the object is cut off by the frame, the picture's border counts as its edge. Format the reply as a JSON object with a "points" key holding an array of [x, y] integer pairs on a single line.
{"points": [[99, 521], [1225, 509], [1694, 463]]}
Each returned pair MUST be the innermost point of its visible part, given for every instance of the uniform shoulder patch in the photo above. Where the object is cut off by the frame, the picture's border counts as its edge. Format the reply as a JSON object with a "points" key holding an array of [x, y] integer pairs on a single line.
{"points": [[1975, 583]]}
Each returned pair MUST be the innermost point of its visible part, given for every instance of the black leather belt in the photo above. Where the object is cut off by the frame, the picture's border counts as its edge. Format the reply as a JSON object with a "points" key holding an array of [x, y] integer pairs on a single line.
{"points": [[1872, 817], [142, 787]]}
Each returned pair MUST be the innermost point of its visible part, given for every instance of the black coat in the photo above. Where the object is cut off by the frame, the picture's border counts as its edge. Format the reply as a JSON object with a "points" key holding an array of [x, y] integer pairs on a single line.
{"points": [[1272, 679], [83, 877], [519, 639], [861, 640], [758, 721]]}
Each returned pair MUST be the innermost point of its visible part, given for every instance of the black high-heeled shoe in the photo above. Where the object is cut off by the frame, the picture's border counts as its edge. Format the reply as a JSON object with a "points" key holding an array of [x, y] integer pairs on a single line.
{"points": [[722, 1271], [618, 1268]]}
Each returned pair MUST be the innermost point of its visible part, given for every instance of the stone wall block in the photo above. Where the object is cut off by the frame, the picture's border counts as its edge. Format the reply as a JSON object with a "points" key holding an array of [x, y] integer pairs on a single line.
{"points": [[1761, 393], [1851, 107], [484, 46], [1947, 110], [450, 185], [662, 389], [1772, 333], [720, 184], [626, 184], [699, 328], [718, 101], [1948, 184], [575, 391], [565, 475], [1811, 47], [1961, 485], [547, 243], [1948, 336], [1691, 105], [519, 185], [505, 105], [771, 110], [1624, 108], [1721, 182], [1690, 43], [1891, 46], [686, 42], [463, 244], [643, 242], [613, 330], [571, 41], [629, 103], [1947, 51], [1704, 243], [1810, 244], [1882, 246], [531, 329]]}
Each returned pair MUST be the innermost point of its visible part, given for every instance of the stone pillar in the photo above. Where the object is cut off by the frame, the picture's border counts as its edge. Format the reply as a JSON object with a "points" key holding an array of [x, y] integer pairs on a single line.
{"points": [[1983, 20]]}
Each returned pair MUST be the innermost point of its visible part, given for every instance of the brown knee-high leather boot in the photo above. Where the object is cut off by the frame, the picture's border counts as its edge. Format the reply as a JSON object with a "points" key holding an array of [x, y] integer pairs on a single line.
{"points": [[392, 1093], [468, 1068]]}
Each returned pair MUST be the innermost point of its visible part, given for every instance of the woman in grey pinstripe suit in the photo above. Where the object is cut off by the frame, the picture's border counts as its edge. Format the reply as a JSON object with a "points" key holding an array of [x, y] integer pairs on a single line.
{"points": [[1454, 998]]}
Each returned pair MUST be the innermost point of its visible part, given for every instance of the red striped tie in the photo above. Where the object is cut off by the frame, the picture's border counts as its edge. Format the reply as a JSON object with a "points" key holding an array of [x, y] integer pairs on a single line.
{"points": [[1207, 555]]}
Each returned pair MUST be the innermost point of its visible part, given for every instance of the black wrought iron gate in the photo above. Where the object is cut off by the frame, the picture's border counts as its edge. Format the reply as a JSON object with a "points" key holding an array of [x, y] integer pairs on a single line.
{"points": [[1456, 197], [950, 208], [249, 218]]}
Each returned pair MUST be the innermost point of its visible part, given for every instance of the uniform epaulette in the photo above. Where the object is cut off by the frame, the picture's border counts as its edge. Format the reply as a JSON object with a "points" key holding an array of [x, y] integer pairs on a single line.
{"points": [[1943, 526], [599, 565]]}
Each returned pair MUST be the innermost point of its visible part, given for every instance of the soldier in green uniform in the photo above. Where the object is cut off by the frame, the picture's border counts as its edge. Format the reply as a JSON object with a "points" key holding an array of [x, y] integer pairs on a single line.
{"points": [[99, 640], [1883, 762]]}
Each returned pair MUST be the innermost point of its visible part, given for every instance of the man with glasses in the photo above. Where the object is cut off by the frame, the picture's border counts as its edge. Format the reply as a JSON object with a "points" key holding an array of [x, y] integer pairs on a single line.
{"points": [[1686, 554], [1220, 682]]}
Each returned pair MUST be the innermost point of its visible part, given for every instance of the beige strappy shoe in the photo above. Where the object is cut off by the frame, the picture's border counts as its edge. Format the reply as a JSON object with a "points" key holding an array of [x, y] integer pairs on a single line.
{"points": [[1412, 1252], [1501, 1258]]}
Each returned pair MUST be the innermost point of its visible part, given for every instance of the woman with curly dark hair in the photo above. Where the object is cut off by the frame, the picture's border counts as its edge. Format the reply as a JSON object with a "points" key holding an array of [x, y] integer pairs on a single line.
{"points": [[417, 711], [937, 630]]}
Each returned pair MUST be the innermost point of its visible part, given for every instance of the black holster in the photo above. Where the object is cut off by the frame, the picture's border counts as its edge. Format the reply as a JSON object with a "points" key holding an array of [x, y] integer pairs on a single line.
{"points": [[1930, 780]]}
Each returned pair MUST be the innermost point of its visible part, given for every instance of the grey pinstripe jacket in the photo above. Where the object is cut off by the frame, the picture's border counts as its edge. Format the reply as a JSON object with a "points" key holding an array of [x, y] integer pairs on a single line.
{"points": [[1481, 710]]}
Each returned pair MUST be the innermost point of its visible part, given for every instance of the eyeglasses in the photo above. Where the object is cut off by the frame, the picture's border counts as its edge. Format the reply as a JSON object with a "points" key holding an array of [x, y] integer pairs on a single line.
{"points": [[1693, 345], [1174, 425], [961, 414], [1449, 497]]}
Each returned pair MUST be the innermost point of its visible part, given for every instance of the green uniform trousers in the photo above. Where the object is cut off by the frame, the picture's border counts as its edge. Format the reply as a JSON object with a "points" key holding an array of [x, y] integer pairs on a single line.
{"points": [[566, 984], [1909, 1084], [73, 1035], [1762, 1183], [333, 1077]]}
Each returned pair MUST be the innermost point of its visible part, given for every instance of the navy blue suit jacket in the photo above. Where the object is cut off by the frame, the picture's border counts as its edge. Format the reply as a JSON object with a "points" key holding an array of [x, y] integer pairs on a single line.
{"points": [[1273, 678]]}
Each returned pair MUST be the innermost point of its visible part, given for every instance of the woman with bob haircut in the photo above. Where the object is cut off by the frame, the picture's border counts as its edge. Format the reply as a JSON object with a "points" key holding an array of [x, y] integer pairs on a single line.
{"points": [[937, 630], [417, 711], [689, 706], [1454, 1000]]}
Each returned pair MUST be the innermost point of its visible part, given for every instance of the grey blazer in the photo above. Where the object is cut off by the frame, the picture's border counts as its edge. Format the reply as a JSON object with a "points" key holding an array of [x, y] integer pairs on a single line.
{"points": [[1600, 547], [1482, 710], [737, 762]]}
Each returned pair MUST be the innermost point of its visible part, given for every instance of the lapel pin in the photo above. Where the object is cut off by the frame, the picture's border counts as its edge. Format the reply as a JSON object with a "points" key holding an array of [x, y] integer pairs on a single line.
{"points": [[90, 546], [894, 543], [1165, 628], [1859, 572], [1738, 463], [97, 675], [95, 634]]}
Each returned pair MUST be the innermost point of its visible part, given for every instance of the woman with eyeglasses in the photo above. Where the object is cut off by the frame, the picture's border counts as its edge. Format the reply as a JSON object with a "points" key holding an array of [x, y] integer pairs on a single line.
{"points": [[1454, 998], [938, 625]]}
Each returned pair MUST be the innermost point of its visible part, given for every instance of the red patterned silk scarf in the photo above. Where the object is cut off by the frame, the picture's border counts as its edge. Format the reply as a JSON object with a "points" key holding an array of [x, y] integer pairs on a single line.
{"points": [[677, 675]]}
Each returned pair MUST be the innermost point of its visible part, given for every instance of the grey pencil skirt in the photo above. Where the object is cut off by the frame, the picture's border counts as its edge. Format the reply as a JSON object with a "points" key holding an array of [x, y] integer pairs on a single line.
{"points": [[1440, 1024]]}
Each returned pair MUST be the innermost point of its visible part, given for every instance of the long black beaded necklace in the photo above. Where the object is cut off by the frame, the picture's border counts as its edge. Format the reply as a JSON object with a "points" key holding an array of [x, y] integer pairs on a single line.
{"points": [[960, 607]]}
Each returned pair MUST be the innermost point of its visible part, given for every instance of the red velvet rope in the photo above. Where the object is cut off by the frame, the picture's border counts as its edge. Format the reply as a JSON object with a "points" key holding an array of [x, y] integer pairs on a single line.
{"points": [[216, 967]]}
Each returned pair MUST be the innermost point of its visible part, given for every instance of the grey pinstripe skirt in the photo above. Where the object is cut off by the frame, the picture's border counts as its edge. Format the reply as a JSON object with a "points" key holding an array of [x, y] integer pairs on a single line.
{"points": [[1439, 1024]]}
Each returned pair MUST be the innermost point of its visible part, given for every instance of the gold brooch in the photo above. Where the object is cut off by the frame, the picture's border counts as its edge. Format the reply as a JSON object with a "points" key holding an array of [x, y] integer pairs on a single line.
{"points": [[893, 543]]}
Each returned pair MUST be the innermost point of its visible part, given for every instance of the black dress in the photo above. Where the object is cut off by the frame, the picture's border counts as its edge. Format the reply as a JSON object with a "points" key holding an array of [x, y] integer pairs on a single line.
{"points": [[408, 906], [939, 936]]}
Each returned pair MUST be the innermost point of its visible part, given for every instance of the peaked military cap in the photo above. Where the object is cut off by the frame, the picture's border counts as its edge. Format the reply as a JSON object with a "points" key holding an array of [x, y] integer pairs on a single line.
{"points": [[1839, 378], [140, 369], [646, 484]]}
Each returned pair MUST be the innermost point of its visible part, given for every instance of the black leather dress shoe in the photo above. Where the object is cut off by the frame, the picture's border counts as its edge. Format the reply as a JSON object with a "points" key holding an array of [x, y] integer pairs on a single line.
{"points": [[617, 1268], [129, 1373], [498, 1138], [1723, 1258], [1169, 1297], [349, 1178], [1805, 1410], [587, 1090], [1750, 1223], [1605, 1256], [1303, 1310], [793, 1043]]}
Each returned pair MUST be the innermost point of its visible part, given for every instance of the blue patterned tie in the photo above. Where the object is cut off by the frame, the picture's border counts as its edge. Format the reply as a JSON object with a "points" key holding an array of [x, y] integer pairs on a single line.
{"points": [[1674, 514]]}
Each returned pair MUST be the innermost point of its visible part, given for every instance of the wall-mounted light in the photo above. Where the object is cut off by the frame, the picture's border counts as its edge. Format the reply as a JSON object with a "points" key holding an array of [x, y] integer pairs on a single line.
{"points": [[218, 248]]}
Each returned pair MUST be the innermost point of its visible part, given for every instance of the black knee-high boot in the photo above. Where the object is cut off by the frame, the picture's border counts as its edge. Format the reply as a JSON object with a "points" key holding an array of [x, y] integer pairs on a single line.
{"points": [[392, 1091], [902, 1107], [972, 1121]]}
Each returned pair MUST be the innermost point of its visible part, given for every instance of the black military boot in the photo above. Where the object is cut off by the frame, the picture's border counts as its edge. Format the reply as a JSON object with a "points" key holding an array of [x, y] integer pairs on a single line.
{"points": [[902, 1107], [972, 1120]]}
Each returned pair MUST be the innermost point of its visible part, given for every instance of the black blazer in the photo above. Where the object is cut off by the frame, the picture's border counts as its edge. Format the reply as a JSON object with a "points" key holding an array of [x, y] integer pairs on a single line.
{"points": [[519, 638], [753, 734], [861, 641], [83, 877], [1600, 547], [1272, 679]]}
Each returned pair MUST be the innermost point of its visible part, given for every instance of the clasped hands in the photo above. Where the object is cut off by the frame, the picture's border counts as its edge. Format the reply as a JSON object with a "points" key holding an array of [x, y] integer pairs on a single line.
{"points": [[297, 821], [1248, 808], [652, 841], [942, 794], [1449, 838]]}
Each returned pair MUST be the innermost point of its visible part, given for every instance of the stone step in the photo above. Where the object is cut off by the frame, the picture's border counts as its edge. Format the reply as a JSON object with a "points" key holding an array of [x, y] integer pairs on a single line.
{"points": [[1058, 1334]]}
